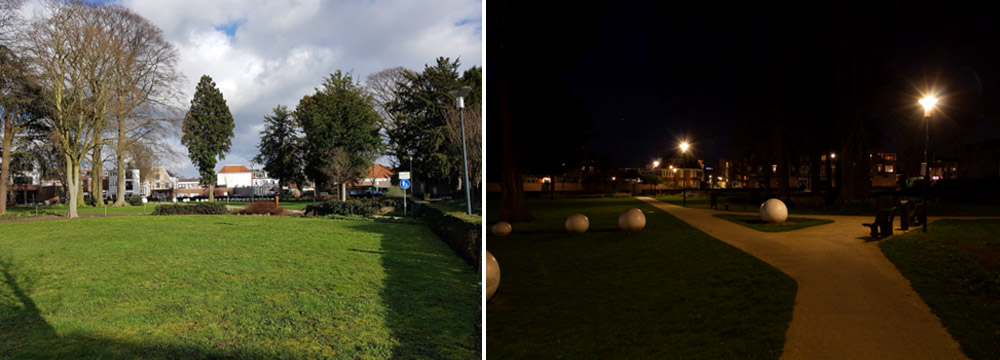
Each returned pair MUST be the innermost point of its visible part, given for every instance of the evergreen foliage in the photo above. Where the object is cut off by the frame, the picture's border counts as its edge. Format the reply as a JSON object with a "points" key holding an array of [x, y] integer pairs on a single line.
{"points": [[208, 129], [281, 146], [420, 127], [341, 131]]}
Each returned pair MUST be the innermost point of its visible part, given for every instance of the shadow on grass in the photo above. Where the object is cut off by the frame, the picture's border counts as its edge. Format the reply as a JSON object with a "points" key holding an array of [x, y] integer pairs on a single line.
{"points": [[25, 334], [431, 295]]}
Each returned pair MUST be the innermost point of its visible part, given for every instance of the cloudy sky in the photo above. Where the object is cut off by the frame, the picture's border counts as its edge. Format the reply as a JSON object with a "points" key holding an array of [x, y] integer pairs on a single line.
{"points": [[262, 53]]}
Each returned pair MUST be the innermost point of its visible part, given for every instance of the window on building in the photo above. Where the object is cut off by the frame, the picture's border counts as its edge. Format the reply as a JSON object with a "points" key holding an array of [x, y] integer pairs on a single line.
{"points": [[774, 168], [889, 168], [880, 169], [889, 157], [157, 176]]}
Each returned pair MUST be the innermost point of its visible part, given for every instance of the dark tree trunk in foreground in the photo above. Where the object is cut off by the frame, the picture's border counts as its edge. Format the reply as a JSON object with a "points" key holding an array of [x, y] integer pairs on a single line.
{"points": [[512, 185]]}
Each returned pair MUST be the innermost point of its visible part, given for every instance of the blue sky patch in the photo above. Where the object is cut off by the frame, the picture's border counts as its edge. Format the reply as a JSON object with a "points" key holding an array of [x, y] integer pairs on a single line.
{"points": [[230, 27]]}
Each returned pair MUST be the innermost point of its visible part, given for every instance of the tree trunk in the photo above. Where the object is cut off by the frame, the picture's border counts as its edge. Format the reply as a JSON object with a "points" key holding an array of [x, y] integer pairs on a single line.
{"points": [[8, 142], [552, 187], [96, 177], [211, 192], [120, 200], [79, 191], [512, 185], [814, 173], [343, 191], [73, 185]]}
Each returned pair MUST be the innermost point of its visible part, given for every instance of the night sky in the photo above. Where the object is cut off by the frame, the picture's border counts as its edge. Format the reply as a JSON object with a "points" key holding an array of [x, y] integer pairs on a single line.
{"points": [[633, 79]]}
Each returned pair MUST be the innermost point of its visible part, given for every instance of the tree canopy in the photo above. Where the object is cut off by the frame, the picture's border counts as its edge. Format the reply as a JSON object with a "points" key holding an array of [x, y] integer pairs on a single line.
{"points": [[281, 146], [341, 131], [208, 130], [420, 127]]}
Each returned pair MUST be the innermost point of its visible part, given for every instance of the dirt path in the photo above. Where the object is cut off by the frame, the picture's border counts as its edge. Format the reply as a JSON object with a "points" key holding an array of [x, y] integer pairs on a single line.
{"points": [[851, 303]]}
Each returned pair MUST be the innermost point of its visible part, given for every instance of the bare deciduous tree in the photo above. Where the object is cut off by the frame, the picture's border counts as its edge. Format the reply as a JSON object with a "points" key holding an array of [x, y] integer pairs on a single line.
{"points": [[473, 138], [145, 78], [9, 19], [383, 87]]}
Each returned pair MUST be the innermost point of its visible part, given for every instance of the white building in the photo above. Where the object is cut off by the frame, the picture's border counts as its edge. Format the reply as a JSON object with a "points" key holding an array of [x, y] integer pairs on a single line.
{"points": [[131, 183], [234, 176]]}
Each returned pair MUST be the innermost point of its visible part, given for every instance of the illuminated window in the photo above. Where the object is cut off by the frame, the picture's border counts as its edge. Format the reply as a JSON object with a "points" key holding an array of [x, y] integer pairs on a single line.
{"points": [[890, 157], [774, 168], [889, 168], [880, 168]]}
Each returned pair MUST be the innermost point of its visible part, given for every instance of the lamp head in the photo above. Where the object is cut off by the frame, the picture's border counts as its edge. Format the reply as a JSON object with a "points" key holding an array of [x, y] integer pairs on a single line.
{"points": [[460, 94], [928, 104], [684, 146]]}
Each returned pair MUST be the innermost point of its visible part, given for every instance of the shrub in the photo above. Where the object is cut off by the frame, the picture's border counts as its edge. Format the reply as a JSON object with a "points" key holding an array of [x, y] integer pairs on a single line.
{"points": [[135, 200], [460, 231], [192, 209], [337, 207], [262, 208]]}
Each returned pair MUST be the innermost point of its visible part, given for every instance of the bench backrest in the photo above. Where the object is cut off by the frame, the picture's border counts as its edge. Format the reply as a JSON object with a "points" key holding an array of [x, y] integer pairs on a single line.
{"points": [[883, 215]]}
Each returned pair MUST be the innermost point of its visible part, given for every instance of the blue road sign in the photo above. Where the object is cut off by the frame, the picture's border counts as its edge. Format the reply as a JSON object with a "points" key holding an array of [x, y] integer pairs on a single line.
{"points": [[404, 184]]}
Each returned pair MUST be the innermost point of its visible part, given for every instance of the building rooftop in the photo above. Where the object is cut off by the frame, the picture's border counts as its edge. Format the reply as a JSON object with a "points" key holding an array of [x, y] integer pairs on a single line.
{"points": [[234, 169]]}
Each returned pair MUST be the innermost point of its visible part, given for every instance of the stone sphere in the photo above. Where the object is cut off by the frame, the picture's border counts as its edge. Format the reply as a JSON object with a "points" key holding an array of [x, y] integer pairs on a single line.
{"points": [[632, 220], [773, 211], [577, 223], [492, 271], [501, 228]]}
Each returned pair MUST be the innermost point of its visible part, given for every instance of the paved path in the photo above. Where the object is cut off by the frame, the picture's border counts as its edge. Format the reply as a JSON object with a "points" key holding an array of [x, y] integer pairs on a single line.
{"points": [[851, 303]]}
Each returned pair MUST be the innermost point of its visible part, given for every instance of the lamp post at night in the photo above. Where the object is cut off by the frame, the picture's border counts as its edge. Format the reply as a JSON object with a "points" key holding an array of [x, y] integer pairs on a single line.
{"points": [[459, 95], [928, 104], [684, 148]]}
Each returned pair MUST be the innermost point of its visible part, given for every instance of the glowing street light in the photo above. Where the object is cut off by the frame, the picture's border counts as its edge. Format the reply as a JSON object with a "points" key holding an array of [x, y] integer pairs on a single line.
{"points": [[928, 103], [655, 164]]}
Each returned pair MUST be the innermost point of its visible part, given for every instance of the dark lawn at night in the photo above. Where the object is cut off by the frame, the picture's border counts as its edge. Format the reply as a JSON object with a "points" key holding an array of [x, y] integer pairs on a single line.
{"points": [[754, 222], [159, 287], [669, 291], [955, 268]]}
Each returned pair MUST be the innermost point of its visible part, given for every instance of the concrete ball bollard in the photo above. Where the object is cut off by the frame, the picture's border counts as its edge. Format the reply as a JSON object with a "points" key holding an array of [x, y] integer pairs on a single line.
{"points": [[773, 211], [501, 228], [577, 223], [492, 272], [632, 220]]}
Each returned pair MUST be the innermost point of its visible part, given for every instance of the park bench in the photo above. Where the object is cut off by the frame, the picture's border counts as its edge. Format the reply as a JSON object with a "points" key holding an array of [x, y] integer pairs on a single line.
{"points": [[736, 201], [882, 226]]}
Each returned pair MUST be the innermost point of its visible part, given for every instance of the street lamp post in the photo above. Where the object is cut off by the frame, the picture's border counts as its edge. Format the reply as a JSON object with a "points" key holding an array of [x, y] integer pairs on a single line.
{"points": [[684, 149], [460, 95], [928, 104]]}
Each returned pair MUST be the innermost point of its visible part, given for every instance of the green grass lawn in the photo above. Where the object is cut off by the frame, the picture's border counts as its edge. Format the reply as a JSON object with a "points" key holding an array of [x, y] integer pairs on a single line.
{"points": [[233, 286], [754, 222], [955, 268], [669, 291]]}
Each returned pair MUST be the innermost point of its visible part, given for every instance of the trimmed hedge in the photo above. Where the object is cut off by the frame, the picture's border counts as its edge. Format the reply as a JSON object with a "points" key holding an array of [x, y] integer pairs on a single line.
{"points": [[135, 200], [337, 207], [193, 209], [463, 233]]}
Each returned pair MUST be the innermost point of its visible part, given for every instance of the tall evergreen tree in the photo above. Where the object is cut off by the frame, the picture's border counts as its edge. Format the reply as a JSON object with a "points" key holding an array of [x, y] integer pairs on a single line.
{"points": [[281, 146], [421, 127], [341, 132], [208, 131]]}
